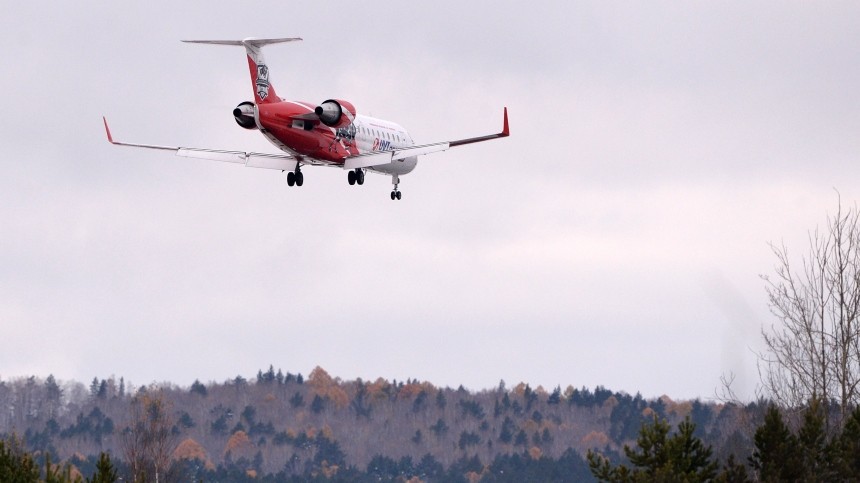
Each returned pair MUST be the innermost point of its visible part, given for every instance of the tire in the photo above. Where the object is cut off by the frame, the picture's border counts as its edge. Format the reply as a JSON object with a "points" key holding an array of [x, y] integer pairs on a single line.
{"points": [[291, 178], [300, 179], [359, 177], [398, 195], [350, 176]]}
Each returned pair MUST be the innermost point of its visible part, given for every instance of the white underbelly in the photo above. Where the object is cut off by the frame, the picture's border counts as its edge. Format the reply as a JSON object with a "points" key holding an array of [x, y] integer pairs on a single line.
{"points": [[399, 167]]}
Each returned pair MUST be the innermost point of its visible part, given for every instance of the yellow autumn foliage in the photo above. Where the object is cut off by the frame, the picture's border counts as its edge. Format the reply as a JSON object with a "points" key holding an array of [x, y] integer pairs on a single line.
{"points": [[681, 409], [329, 470], [520, 389], [595, 439], [568, 392], [535, 453], [190, 450], [530, 426], [320, 380], [238, 442], [327, 433], [376, 390], [410, 391], [337, 396]]}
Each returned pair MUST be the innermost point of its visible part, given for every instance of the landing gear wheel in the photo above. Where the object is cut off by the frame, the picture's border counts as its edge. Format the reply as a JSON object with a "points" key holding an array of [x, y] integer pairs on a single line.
{"points": [[291, 178], [300, 178], [395, 195], [351, 178], [359, 177], [398, 196]]}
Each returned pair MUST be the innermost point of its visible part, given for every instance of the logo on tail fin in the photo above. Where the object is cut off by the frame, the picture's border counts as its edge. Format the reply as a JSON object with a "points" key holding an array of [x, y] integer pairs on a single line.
{"points": [[262, 81]]}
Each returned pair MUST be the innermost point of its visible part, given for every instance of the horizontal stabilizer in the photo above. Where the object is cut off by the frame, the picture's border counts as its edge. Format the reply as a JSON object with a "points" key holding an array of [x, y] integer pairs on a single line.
{"points": [[248, 41]]}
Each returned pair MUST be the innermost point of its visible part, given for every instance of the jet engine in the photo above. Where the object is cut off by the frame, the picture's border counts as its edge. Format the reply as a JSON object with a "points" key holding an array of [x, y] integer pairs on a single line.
{"points": [[244, 115], [335, 113]]}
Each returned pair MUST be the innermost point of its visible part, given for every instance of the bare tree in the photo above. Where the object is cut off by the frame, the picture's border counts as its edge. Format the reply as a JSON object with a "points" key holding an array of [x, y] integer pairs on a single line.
{"points": [[148, 442], [814, 352]]}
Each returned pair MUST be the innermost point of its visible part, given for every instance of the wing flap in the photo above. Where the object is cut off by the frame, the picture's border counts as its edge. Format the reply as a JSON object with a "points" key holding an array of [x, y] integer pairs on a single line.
{"points": [[368, 160], [283, 162], [378, 158]]}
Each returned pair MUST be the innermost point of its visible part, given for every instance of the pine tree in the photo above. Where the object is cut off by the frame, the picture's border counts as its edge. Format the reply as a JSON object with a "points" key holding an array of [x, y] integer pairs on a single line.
{"points": [[660, 457], [815, 452], [16, 464], [776, 454], [847, 447], [105, 472]]}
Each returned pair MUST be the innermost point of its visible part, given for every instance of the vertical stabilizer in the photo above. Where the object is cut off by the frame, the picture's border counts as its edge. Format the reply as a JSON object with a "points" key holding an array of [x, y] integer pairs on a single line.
{"points": [[264, 91]]}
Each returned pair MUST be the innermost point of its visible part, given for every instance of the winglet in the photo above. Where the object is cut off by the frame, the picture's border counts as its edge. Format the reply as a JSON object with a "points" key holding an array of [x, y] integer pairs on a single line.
{"points": [[505, 130], [107, 130]]}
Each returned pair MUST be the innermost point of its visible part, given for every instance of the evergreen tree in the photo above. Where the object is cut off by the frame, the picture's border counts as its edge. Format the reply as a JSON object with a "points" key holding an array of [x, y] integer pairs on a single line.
{"points": [[318, 404], [555, 397], [198, 388], [16, 465], [776, 454], [441, 401], [660, 457], [847, 447], [815, 452], [105, 472]]}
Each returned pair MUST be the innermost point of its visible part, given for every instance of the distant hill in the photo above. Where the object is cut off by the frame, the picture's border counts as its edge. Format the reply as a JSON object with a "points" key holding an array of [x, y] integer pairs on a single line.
{"points": [[291, 426]]}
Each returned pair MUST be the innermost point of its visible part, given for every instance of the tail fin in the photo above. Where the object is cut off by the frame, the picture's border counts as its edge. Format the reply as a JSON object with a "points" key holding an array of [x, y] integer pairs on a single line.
{"points": [[264, 91]]}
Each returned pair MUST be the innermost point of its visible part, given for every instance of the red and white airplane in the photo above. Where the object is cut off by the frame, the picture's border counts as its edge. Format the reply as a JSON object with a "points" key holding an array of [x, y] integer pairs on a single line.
{"points": [[329, 134]]}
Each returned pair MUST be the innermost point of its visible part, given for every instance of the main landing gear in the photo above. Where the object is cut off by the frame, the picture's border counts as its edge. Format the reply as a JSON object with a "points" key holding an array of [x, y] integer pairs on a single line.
{"points": [[355, 176], [395, 193], [295, 177]]}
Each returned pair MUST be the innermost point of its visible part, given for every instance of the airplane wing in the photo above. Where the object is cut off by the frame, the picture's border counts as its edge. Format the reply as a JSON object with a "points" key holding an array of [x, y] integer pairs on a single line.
{"points": [[283, 162], [384, 157]]}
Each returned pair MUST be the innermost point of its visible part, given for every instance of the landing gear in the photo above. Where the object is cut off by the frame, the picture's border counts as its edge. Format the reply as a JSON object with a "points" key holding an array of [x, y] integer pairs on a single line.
{"points": [[355, 176], [395, 193], [295, 177]]}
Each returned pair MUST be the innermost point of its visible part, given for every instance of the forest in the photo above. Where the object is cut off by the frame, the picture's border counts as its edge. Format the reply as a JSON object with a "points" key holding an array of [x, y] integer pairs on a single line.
{"points": [[281, 425], [277, 426]]}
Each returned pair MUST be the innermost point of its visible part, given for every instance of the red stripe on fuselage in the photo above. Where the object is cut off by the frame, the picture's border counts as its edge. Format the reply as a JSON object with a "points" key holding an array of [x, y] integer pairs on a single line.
{"points": [[319, 142]]}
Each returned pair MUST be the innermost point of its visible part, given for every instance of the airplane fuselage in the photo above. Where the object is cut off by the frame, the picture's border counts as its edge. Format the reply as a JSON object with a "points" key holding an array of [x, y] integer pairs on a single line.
{"points": [[330, 133], [290, 126]]}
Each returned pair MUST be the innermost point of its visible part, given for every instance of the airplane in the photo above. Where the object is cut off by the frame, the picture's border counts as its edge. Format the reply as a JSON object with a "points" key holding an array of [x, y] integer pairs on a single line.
{"points": [[331, 133]]}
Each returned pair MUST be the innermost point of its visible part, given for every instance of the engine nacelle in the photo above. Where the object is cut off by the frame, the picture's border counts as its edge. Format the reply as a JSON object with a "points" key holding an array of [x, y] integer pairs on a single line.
{"points": [[244, 115], [335, 113]]}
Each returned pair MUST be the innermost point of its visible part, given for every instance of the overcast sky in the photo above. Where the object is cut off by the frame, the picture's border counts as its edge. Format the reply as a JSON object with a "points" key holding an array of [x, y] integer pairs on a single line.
{"points": [[616, 238]]}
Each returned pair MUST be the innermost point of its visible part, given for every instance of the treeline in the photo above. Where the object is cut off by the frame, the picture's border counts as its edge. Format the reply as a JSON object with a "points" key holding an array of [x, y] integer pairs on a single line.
{"points": [[287, 426]]}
